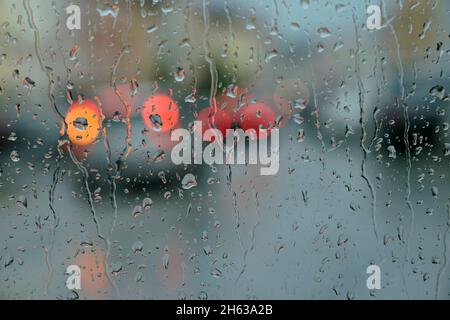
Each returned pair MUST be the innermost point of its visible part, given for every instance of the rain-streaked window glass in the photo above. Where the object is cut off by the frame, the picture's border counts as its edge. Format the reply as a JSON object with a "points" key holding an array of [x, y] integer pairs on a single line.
{"points": [[200, 149]]}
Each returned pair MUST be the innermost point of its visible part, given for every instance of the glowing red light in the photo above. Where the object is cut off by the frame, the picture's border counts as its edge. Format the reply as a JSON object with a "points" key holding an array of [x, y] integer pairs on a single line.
{"points": [[160, 113]]}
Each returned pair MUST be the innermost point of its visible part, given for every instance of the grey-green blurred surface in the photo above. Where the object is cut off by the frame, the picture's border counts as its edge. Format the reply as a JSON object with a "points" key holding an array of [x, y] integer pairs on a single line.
{"points": [[341, 201]]}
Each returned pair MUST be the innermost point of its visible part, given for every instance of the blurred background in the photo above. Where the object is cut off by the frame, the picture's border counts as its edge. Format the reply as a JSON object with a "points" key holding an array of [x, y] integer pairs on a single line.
{"points": [[364, 150]]}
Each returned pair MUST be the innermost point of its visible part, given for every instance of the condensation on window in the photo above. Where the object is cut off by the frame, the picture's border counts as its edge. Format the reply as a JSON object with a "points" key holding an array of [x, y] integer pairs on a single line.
{"points": [[110, 187]]}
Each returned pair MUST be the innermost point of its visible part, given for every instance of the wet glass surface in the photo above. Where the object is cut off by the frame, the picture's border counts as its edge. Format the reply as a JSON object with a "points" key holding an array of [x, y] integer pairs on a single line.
{"points": [[87, 176]]}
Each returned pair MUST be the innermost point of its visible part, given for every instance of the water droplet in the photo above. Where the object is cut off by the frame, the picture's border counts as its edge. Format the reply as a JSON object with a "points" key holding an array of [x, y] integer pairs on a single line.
{"points": [[152, 28], [106, 9], [270, 54], [295, 26], [73, 52], [202, 295], [207, 250], [338, 45], [216, 273], [299, 104], [190, 98], [86, 243], [446, 149], [16, 74], [28, 83], [159, 156], [137, 246], [392, 152], [22, 202], [324, 32], [179, 74], [300, 135], [162, 176], [8, 261], [137, 211], [232, 90], [12, 136], [116, 267], [156, 122], [434, 191], [298, 119], [147, 203], [15, 156], [188, 181], [80, 123], [437, 91], [134, 85], [165, 261], [425, 27]]}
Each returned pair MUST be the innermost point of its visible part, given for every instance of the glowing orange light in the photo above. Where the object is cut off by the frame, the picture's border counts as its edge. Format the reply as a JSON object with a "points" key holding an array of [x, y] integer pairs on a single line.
{"points": [[84, 121], [160, 113]]}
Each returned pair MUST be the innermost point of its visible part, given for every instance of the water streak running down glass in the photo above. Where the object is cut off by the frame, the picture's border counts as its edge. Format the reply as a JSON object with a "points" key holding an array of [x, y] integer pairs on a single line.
{"points": [[92, 205]]}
